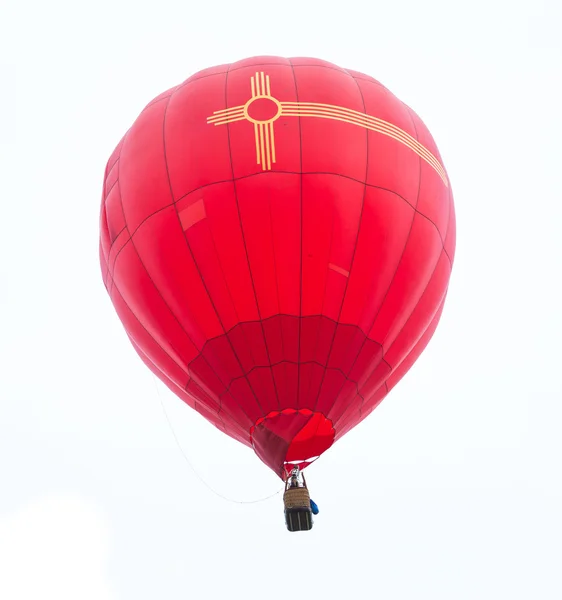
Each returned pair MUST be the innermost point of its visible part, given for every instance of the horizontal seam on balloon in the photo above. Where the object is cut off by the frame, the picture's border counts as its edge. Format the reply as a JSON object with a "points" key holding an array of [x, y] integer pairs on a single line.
{"points": [[325, 367], [370, 185], [294, 362], [290, 316]]}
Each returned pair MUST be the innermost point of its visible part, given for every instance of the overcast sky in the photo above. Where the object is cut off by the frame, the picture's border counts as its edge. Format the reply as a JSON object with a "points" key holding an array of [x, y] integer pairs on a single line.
{"points": [[454, 482]]}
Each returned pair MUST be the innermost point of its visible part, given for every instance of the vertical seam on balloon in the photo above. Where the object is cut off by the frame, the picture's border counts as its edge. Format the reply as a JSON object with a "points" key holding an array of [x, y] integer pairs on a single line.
{"points": [[148, 274], [429, 280], [247, 257], [244, 373], [449, 191], [422, 293], [139, 321], [354, 247], [443, 251], [277, 293], [301, 250], [321, 316], [327, 274], [439, 308], [436, 262], [395, 271], [441, 302], [167, 306], [221, 409], [350, 416], [339, 391], [249, 272], [221, 268]]}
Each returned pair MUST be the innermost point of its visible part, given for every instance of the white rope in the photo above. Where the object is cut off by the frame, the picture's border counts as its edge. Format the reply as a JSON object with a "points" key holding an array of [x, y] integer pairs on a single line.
{"points": [[190, 464]]}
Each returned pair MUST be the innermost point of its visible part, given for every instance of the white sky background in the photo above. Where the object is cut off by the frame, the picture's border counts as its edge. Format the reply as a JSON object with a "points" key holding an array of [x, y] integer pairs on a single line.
{"points": [[455, 480]]}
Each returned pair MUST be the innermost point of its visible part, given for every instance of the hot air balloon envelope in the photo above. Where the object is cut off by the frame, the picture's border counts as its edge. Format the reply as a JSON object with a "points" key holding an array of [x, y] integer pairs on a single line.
{"points": [[277, 237]]}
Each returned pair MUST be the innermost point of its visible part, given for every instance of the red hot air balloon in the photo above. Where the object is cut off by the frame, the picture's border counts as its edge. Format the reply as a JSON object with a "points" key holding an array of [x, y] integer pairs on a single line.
{"points": [[277, 237]]}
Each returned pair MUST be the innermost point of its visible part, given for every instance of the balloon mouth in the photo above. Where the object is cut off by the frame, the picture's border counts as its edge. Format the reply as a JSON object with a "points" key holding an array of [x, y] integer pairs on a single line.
{"points": [[291, 437]]}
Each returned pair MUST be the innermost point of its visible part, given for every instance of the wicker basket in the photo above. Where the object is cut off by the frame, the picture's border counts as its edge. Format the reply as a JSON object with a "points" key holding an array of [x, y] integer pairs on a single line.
{"points": [[297, 498]]}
